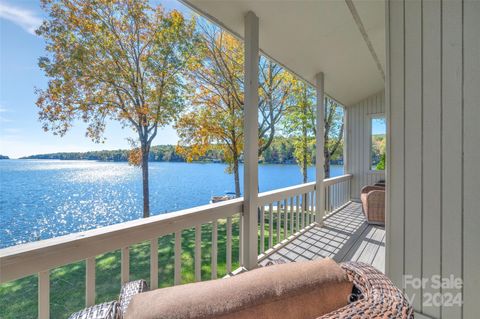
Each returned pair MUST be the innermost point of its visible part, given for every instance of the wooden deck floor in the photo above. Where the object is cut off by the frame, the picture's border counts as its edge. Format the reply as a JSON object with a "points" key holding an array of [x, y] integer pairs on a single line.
{"points": [[344, 236]]}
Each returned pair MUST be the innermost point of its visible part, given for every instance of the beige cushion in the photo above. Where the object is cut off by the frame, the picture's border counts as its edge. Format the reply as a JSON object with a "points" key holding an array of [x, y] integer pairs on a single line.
{"points": [[294, 290]]}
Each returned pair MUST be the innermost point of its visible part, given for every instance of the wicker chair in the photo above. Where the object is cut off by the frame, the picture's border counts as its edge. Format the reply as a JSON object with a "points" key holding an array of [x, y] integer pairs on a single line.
{"points": [[373, 296], [373, 203], [113, 309]]}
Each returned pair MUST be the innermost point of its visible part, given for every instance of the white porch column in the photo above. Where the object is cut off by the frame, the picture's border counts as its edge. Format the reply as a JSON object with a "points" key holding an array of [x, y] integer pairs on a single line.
{"points": [[250, 188], [319, 141]]}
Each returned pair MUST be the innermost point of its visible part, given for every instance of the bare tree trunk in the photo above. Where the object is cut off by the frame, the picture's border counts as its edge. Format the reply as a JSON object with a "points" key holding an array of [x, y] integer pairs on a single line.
{"points": [[328, 153], [305, 166], [326, 142], [305, 179], [326, 166], [305, 146], [236, 175], [146, 191]]}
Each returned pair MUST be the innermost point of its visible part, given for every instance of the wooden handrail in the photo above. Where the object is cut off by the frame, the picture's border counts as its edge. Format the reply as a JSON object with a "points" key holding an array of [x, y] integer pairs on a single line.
{"points": [[279, 194], [31, 258], [337, 179]]}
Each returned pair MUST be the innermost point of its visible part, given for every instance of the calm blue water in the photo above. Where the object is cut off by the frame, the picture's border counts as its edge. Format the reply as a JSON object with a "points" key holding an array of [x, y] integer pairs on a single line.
{"points": [[41, 199]]}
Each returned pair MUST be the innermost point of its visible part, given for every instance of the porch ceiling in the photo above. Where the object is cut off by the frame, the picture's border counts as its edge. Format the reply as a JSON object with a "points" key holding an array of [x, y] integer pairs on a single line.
{"points": [[312, 36]]}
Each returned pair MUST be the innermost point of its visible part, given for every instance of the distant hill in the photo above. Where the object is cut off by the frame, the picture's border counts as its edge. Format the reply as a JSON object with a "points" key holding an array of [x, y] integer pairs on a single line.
{"points": [[4, 157]]}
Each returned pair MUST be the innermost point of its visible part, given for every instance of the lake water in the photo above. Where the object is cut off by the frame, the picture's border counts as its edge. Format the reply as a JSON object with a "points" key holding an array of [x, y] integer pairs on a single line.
{"points": [[41, 199]]}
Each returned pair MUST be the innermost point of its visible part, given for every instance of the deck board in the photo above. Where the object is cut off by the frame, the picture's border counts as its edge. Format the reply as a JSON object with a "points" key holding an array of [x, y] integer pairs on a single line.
{"points": [[344, 236]]}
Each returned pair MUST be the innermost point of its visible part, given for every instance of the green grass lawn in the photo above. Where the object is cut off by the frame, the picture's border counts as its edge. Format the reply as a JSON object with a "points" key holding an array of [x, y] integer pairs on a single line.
{"points": [[18, 298]]}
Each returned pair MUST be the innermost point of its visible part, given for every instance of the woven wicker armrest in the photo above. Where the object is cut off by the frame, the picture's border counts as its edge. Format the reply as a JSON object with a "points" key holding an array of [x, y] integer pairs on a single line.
{"points": [[278, 261], [106, 310], [127, 292], [379, 297], [376, 198], [113, 309], [369, 188]]}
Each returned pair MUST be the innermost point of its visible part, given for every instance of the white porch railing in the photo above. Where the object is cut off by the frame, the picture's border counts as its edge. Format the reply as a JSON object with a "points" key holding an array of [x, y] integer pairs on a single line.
{"points": [[337, 192], [282, 214]]}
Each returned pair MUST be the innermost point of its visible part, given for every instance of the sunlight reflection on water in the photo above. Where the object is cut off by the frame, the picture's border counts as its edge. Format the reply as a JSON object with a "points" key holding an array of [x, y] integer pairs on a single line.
{"points": [[41, 199]]}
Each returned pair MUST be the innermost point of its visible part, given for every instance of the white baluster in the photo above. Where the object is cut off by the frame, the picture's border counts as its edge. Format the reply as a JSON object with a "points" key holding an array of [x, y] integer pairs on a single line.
{"points": [[125, 265], [270, 226], [279, 221], [297, 212], [44, 295], [177, 276], [262, 229], [229, 244], [90, 281], [240, 238], [154, 263], [292, 218], [198, 253], [214, 248]]}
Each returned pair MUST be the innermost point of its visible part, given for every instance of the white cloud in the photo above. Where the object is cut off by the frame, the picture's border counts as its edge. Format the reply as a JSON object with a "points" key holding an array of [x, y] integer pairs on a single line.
{"points": [[26, 19], [3, 119]]}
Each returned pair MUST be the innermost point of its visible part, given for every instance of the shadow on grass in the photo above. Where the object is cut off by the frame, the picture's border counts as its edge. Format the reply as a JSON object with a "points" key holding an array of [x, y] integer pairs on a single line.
{"points": [[67, 283]]}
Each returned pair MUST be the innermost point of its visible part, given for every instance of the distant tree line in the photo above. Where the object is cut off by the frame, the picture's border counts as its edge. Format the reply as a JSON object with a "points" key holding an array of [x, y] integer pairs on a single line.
{"points": [[281, 151], [159, 153], [4, 157]]}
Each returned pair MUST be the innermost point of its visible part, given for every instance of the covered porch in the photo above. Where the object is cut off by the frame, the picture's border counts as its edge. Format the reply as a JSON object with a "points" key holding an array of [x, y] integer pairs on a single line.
{"points": [[339, 48], [302, 222]]}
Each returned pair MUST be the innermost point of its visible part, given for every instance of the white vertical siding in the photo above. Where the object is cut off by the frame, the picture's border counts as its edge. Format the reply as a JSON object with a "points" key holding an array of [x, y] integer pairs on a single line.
{"points": [[358, 142], [471, 157], [431, 145], [433, 107], [413, 136], [451, 145]]}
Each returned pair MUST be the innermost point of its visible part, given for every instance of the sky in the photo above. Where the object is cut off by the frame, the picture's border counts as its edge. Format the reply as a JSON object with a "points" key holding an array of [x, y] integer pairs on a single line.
{"points": [[21, 133], [379, 126]]}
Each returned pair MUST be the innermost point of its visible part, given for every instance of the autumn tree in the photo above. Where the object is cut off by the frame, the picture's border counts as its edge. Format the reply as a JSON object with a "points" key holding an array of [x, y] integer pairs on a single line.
{"points": [[215, 119], [333, 134], [119, 60], [275, 88], [299, 123]]}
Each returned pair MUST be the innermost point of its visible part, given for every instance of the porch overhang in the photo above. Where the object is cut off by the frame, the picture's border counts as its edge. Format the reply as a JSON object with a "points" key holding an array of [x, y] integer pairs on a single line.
{"points": [[344, 39]]}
